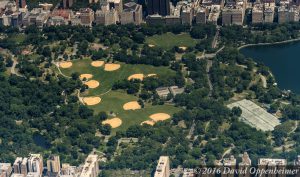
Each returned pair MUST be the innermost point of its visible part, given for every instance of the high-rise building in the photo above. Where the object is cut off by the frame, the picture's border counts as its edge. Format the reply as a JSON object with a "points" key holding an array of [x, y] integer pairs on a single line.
{"points": [[257, 13], [53, 164], [163, 167], [90, 167], [21, 3], [161, 7], [186, 15], [35, 163], [17, 165], [68, 170], [201, 15], [67, 3], [269, 14], [5, 169], [86, 16], [132, 13], [293, 14], [24, 166], [283, 14], [106, 17], [244, 165]]}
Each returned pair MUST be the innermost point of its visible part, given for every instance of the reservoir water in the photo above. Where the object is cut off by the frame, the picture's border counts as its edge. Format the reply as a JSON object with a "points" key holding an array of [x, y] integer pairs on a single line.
{"points": [[282, 59]]}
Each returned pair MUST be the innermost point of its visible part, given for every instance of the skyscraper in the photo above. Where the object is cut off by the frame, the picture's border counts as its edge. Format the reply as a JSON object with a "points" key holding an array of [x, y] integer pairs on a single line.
{"points": [[163, 167], [67, 3], [161, 7], [53, 164], [35, 163]]}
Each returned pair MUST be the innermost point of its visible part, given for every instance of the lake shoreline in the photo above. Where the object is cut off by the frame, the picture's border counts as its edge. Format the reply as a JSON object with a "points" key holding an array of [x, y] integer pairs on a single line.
{"points": [[269, 43], [281, 60]]}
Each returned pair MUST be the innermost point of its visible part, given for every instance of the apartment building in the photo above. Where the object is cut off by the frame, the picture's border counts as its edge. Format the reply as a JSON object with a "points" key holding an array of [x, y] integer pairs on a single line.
{"points": [[86, 16], [283, 14], [258, 13], [186, 15], [5, 169], [53, 164], [35, 164], [163, 167], [37, 16], [201, 15], [90, 167], [132, 13], [244, 165], [107, 17]]}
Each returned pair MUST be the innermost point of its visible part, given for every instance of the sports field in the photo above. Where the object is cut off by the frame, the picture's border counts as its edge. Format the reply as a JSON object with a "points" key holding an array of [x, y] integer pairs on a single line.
{"points": [[113, 101], [170, 40]]}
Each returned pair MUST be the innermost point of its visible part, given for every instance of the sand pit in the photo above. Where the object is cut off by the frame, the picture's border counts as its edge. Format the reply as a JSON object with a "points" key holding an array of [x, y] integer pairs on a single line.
{"points": [[91, 100], [92, 84], [111, 67], [114, 122], [151, 45], [132, 105], [151, 75], [86, 76], [149, 122], [183, 48], [65, 64], [97, 63], [160, 116], [136, 76]]}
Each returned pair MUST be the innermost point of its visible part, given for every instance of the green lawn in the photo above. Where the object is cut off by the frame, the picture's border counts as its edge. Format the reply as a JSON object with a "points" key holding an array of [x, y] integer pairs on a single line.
{"points": [[107, 79], [114, 100], [170, 40]]}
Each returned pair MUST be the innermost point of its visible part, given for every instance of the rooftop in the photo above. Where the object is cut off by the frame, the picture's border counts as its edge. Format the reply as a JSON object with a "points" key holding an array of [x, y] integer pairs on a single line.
{"points": [[255, 116]]}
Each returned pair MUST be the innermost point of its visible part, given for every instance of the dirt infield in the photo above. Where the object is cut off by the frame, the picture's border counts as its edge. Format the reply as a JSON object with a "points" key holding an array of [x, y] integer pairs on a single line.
{"points": [[111, 67], [65, 64], [136, 76], [91, 100], [132, 105], [182, 48], [160, 117], [86, 76], [97, 63], [92, 84], [151, 75], [114, 122], [149, 122]]}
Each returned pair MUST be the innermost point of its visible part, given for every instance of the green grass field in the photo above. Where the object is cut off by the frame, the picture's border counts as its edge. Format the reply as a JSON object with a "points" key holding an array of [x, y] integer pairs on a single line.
{"points": [[107, 79], [114, 100], [170, 40]]}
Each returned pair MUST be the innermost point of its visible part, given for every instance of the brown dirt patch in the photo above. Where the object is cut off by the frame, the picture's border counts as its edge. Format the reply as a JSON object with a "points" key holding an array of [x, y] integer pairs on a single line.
{"points": [[92, 84], [160, 117], [149, 122], [97, 63], [114, 122], [86, 76], [65, 64], [111, 67], [183, 47], [91, 100], [136, 76], [151, 75], [132, 105]]}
